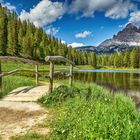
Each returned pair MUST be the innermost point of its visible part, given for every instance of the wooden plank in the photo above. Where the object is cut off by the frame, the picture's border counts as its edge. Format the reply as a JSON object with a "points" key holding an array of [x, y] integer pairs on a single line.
{"points": [[36, 74], [51, 76], [19, 59], [0, 81], [71, 75], [58, 58]]}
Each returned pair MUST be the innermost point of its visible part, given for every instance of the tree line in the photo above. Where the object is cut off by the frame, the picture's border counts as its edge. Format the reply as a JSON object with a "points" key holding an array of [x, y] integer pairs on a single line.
{"points": [[127, 59], [24, 39]]}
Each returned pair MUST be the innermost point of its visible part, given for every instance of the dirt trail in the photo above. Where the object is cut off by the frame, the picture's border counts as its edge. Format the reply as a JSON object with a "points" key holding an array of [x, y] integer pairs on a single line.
{"points": [[17, 117]]}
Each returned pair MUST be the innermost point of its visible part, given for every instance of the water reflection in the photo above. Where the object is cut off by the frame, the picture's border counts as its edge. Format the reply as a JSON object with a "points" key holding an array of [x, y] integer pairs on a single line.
{"points": [[116, 81], [129, 83]]}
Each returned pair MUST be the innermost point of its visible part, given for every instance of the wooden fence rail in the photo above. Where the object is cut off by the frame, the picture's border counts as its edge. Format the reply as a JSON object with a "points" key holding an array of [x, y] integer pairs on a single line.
{"points": [[52, 60], [28, 61]]}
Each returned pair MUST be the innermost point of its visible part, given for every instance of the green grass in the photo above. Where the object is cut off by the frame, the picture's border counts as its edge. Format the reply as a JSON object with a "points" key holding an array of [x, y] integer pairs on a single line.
{"points": [[89, 113], [31, 136], [13, 82], [10, 65]]}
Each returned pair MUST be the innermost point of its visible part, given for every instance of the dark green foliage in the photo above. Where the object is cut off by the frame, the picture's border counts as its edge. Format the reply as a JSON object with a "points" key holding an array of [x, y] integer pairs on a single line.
{"points": [[3, 32], [135, 58], [127, 59], [59, 95], [92, 59]]}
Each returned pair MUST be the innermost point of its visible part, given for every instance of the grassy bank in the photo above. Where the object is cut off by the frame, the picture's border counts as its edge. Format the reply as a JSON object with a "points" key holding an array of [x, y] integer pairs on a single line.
{"points": [[87, 113]]}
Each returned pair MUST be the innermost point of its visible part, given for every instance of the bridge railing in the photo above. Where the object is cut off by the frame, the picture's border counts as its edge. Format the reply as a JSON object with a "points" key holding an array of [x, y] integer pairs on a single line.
{"points": [[52, 60]]}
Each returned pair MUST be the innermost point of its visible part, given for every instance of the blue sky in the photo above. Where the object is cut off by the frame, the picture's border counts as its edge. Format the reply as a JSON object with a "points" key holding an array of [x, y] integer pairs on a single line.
{"points": [[78, 22]]}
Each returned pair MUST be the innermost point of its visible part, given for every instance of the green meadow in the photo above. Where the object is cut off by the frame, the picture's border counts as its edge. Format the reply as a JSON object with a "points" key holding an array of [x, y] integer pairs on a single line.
{"points": [[88, 113]]}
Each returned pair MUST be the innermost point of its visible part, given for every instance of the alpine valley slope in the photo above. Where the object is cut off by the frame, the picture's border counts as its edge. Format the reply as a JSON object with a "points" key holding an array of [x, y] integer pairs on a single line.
{"points": [[129, 37]]}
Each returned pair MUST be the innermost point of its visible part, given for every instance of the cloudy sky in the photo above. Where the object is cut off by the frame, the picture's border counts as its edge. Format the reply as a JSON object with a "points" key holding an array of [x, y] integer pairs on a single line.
{"points": [[78, 22]]}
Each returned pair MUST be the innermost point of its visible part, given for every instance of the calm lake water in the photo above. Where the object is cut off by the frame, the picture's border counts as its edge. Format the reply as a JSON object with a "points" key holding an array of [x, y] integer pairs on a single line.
{"points": [[114, 80]]}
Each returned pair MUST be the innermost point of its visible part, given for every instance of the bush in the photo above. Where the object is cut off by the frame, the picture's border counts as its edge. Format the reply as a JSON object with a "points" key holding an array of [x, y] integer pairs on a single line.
{"points": [[59, 95]]}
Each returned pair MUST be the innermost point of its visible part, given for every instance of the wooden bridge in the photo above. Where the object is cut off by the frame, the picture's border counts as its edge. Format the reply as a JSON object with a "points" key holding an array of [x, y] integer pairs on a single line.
{"points": [[33, 93]]}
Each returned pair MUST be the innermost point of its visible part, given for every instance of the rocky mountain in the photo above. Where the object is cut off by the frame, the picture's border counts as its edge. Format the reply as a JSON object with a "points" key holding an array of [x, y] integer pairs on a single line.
{"points": [[129, 37], [86, 48]]}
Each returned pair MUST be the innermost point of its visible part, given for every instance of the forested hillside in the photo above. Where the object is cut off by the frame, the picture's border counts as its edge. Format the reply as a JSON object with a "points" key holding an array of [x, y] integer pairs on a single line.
{"points": [[127, 59], [22, 38]]}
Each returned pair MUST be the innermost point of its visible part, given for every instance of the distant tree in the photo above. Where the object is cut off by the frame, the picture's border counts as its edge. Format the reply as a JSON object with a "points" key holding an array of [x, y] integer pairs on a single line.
{"points": [[92, 59], [135, 58], [13, 46], [127, 58], [3, 32]]}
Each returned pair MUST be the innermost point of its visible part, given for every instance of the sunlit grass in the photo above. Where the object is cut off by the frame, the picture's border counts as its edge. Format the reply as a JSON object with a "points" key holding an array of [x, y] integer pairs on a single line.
{"points": [[88, 113], [10, 65], [13, 82]]}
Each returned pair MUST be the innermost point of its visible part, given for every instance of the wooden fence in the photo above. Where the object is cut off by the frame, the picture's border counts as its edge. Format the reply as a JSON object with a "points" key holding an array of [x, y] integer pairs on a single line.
{"points": [[51, 59]]}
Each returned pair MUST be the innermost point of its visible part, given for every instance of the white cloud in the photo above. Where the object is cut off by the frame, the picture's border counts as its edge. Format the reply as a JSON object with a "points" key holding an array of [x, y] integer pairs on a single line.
{"points": [[75, 45], [52, 30], [63, 41], [120, 10], [44, 13], [8, 5], [112, 8], [83, 34], [135, 18]]}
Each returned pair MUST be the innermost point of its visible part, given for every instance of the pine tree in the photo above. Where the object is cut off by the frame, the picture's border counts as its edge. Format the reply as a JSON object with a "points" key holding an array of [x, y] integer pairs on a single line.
{"points": [[92, 59], [28, 44], [127, 58], [135, 58], [15, 38], [3, 32], [13, 46], [41, 47]]}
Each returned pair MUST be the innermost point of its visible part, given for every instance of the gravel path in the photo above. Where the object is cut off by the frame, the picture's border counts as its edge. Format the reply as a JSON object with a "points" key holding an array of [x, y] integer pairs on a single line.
{"points": [[17, 117]]}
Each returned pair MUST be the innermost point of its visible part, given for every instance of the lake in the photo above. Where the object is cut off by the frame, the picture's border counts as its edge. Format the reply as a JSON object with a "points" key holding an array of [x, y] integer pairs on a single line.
{"points": [[114, 80]]}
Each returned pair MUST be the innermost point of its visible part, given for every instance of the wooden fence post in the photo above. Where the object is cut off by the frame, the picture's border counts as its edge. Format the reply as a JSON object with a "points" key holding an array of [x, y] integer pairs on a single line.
{"points": [[71, 75], [36, 74], [0, 81], [51, 76]]}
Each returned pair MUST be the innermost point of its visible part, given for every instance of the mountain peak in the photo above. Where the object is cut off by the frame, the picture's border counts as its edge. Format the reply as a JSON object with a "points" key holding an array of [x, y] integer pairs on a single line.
{"points": [[128, 37], [128, 34], [130, 25]]}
